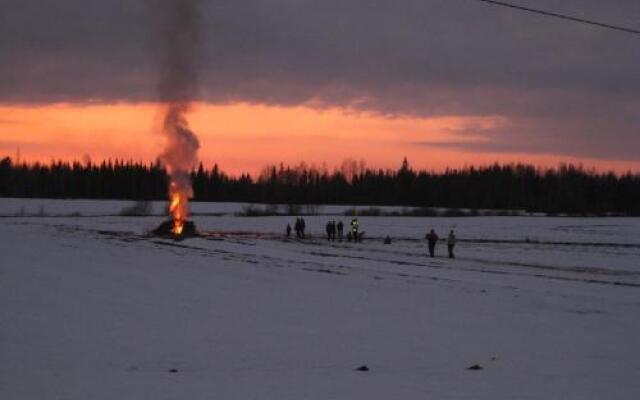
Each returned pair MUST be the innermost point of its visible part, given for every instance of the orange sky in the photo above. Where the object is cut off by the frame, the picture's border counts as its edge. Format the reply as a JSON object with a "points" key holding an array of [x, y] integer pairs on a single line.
{"points": [[245, 138]]}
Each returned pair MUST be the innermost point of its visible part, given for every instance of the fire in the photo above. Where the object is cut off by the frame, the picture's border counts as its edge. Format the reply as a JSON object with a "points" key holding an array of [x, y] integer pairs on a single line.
{"points": [[178, 208], [179, 157], [178, 34]]}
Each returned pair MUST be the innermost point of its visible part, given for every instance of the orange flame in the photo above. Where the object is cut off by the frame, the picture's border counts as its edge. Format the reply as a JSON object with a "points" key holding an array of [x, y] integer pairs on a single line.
{"points": [[178, 208]]}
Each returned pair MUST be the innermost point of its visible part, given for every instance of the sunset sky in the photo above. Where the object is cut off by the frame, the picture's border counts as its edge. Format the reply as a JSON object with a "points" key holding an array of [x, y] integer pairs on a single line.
{"points": [[443, 82]]}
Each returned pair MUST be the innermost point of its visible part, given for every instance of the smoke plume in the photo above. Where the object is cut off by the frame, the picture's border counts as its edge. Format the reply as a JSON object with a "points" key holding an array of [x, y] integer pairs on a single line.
{"points": [[177, 33]]}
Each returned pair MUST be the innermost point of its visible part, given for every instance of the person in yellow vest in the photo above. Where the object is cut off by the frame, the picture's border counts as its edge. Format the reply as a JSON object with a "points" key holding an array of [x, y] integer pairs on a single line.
{"points": [[355, 227]]}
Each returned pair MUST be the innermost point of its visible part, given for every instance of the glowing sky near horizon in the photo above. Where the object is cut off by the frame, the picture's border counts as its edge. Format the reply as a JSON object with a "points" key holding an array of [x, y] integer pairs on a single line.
{"points": [[445, 83], [244, 138]]}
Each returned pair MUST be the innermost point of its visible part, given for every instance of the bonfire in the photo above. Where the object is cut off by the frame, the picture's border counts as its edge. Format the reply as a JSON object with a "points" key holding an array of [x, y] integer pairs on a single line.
{"points": [[177, 89]]}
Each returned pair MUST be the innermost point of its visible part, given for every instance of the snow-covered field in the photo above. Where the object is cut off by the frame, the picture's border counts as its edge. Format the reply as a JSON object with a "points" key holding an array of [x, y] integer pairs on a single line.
{"points": [[91, 307]]}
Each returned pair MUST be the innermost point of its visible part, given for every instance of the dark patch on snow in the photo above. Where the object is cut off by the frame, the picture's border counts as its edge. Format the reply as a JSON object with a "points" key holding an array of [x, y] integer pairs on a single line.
{"points": [[596, 281], [475, 367], [325, 271], [173, 371], [362, 368]]}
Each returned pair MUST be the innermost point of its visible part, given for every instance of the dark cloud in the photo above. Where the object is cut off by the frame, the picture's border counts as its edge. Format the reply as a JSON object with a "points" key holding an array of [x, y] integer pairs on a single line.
{"points": [[592, 137], [564, 86]]}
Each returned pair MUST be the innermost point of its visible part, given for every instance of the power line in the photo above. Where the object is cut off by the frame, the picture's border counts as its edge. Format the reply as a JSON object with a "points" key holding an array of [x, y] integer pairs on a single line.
{"points": [[561, 16]]}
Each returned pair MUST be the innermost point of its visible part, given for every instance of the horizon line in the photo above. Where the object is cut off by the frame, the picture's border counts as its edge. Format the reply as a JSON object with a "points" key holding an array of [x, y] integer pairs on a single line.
{"points": [[313, 166]]}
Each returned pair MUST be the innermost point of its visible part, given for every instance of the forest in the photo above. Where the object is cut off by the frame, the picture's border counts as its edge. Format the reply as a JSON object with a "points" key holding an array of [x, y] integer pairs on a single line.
{"points": [[566, 189]]}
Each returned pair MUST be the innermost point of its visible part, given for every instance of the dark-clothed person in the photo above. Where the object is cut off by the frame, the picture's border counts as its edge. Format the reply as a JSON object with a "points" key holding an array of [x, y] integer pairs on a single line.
{"points": [[303, 225], [432, 239], [298, 228], [340, 227]]}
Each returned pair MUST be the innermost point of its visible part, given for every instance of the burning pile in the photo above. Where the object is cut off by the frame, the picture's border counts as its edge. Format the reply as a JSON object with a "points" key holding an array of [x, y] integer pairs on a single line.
{"points": [[177, 29], [179, 157], [167, 230]]}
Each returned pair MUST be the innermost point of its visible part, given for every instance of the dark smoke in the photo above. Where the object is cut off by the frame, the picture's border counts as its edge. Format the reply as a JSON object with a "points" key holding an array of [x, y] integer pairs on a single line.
{"points": [[177, 27]]}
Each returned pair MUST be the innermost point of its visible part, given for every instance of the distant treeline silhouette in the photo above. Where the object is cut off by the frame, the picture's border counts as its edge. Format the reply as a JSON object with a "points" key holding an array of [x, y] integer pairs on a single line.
{"points": [[565, 189]]}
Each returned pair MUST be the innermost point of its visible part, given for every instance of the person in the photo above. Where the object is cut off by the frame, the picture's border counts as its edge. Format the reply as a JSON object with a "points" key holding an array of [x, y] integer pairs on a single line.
{"points": [[288, 230], [451, 242], [297, 227], [387, 240], [303, 225], [355, 226], [328, 229], [432, 238], [340, 229]]}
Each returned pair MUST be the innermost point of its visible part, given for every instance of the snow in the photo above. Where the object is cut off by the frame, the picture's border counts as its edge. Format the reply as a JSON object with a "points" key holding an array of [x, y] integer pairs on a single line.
{"points": [[94, 308]]}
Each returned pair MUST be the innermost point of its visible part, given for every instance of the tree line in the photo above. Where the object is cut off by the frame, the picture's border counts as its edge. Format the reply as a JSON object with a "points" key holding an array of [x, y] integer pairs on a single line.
{"points": [[566, 189]]}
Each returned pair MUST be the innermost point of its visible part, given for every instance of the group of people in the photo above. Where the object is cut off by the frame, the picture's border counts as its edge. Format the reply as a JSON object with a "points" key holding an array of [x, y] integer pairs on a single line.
{"points": [[299, 227], [432, 239], [334, 230]]}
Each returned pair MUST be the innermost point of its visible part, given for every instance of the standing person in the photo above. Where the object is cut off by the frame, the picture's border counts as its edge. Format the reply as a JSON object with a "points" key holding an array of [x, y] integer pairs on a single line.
{"points": [[303, 225], [340, 229], [328, 229], [451, 242], [432, 238], [298, 229], [333, 231], [288, 230], [355, 226]]}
